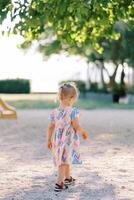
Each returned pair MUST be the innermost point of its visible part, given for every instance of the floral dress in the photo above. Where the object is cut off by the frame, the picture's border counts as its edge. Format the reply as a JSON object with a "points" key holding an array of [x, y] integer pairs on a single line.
{"points": [[65, 141]]}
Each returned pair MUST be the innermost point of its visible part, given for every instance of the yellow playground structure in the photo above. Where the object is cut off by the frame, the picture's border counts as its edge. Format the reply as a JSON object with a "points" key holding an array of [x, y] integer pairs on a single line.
{"points": [[7, 111]]}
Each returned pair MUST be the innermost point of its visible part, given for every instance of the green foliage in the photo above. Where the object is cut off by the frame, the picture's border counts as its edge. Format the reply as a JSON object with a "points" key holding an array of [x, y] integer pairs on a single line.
{"points": [[119, 89], [131, 90], [94, 87], [118, 52], [5, 7], [74, 23], [105, 88], [15, 86]]}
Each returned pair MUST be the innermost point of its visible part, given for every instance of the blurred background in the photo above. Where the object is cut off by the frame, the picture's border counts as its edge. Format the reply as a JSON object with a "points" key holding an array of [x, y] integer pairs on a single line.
{"points": [[38, 52]]}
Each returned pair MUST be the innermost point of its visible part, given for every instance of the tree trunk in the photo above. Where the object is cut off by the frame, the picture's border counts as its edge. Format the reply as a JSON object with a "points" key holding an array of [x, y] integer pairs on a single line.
{"points": [[122, 76], [133, 77], [102, 74], [122, 83], [100, 65], [112, 78], [88, 77]]}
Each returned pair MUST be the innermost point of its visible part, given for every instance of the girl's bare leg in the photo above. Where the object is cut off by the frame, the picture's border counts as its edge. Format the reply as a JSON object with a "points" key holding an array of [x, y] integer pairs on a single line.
{"points": [[61, 174], [67, 171]]}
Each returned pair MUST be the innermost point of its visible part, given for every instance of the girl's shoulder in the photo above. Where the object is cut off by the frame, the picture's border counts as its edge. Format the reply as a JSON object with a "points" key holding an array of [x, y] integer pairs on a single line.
{"points": [[74, 112], [52, 113], [71, 109], [68, 109], [74, 108]]}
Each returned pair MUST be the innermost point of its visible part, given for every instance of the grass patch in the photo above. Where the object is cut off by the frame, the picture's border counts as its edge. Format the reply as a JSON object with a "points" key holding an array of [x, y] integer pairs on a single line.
{"points": [[96, 104], [33, 104], [82, 103]]}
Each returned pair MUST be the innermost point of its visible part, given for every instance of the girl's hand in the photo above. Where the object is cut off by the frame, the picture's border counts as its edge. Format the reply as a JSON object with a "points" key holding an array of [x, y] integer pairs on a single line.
{"points": [[49, 144], [84, 135]]}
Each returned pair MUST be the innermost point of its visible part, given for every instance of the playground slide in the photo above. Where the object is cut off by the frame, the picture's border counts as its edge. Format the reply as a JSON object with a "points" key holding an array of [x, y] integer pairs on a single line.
{"points": [[7, 111]]}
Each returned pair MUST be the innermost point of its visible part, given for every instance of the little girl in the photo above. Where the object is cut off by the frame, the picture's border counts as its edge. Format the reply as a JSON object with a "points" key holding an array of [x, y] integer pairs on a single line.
{"points": [[62, 135]]}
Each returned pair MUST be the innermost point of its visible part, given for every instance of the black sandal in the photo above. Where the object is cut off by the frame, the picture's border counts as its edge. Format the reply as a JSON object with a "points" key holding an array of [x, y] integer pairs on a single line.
{"points": [[59, 188], [69, 181]]}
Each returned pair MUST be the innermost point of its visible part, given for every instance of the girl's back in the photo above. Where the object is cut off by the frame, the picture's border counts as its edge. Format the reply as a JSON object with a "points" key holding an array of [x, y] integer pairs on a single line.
{"points": [[62, 117], [65, 139]]}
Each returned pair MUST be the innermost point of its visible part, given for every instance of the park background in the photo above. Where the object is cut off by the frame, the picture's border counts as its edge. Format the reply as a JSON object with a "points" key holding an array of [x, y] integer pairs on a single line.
{"points": [[45, 43]]}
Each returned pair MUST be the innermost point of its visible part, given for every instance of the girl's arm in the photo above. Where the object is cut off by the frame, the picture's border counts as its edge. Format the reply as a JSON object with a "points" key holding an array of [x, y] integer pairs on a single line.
{"points": [[50, 130], [78, 128]]}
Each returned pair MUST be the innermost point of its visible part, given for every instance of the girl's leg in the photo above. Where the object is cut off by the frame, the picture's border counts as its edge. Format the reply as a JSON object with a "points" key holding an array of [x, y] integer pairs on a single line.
{"points": [[61, 174], [68, 178], [67, 171]]}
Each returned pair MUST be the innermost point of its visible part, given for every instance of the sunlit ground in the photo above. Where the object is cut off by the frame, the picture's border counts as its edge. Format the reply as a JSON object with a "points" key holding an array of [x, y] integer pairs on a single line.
{"points": [[108, 157]]}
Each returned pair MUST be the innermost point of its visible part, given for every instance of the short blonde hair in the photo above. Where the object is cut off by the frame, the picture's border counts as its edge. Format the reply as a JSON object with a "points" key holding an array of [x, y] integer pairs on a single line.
{"points": [[68, 90]]}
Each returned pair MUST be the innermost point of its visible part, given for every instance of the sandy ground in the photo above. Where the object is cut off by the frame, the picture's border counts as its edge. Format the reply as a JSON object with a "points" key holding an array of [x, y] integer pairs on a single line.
{"points": [[107, 173]]}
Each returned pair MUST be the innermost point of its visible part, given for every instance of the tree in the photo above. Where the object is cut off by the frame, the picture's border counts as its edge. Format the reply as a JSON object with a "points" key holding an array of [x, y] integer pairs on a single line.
{"points": [[118, 52], [73, 26], [62, 22]]}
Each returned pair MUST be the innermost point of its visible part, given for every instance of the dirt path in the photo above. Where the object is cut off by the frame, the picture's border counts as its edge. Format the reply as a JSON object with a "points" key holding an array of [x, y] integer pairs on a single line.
{"points": [[107, 173]]}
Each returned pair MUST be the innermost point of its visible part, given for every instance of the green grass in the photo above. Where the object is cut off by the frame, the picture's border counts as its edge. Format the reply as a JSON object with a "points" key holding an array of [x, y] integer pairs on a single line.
{"points": [[94, 104], [32, 104], [82, 103]]}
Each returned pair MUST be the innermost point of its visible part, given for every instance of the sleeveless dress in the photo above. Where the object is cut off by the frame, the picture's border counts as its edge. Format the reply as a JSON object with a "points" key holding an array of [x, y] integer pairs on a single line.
{"points": [[65, 139]]}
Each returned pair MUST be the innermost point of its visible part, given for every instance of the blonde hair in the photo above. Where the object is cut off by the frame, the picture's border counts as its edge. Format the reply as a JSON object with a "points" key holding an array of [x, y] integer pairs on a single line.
{"points": [[67, 91]]}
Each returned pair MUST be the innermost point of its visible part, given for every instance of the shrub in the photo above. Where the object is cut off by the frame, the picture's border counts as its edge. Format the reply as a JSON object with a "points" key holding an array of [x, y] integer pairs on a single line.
{"points": [[15, 86], [131, 90], [120, 89], [94, 87]]}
